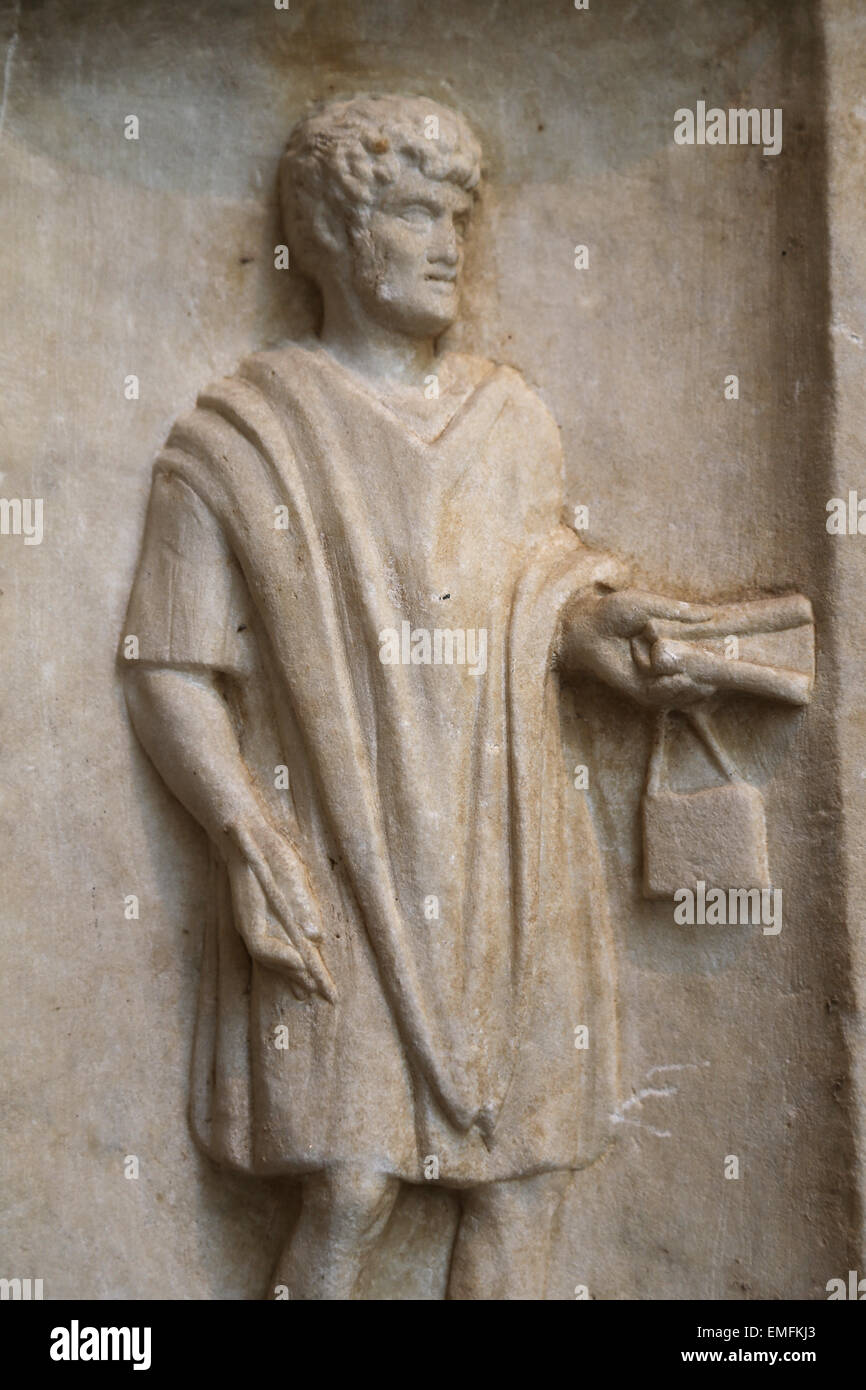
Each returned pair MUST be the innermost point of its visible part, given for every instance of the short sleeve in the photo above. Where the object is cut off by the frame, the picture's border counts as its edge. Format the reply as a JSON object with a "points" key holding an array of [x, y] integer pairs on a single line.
{"points": [[189, 604]]}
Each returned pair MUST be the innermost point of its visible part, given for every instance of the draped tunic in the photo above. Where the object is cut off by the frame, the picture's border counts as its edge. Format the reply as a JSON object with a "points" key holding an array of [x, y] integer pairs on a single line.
{"points": [[295, 518]]}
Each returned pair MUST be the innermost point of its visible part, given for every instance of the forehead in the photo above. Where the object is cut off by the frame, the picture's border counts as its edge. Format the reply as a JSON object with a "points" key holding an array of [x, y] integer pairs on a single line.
{"points": [[413, 186]]}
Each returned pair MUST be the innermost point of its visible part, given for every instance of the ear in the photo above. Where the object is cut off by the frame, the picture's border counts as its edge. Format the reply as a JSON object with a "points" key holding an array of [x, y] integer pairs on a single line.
{"points": [[329, 229]]}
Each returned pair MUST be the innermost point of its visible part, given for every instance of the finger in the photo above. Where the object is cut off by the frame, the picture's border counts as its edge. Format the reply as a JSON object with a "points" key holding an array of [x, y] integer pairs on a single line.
{"points": [[312, 960], [247, 896], [265, 941], [672, 692], [666, 659], [269, 947], [631, 609], [300, 985], [659, 606], [298, 892], [640, 652], [278, 948], [281, 955], [278, 956], [306, 960], [297, 899], [299, 981]]}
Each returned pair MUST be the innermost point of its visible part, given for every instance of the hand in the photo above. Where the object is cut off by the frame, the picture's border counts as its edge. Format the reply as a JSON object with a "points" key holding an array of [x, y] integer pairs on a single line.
{"points": [[597, 637], [275, 910]]}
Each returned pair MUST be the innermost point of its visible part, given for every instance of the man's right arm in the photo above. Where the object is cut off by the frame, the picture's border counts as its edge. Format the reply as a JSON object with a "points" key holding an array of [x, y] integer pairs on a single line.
{"points": [[185, 726]]}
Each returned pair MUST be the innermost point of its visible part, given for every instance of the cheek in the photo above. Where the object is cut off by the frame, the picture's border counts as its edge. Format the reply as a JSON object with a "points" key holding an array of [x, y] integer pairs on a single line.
{"points": [[406, 254], [400, 251]]}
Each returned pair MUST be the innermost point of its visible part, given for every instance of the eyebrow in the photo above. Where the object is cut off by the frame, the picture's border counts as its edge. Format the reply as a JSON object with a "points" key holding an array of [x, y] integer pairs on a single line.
{"points": [[429, 202], [415, 200]]}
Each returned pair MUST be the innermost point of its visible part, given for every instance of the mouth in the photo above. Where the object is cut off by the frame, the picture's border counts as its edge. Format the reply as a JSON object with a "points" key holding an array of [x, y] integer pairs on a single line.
{"points": [[442, 279]]}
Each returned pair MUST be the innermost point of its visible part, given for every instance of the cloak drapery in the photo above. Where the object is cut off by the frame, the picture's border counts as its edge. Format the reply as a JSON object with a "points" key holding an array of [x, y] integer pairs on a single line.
{"points": [[294, 519]]}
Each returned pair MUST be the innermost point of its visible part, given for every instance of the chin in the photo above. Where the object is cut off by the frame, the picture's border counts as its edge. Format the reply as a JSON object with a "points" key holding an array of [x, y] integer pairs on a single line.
{"points": [[424, 315], [429, 320]]}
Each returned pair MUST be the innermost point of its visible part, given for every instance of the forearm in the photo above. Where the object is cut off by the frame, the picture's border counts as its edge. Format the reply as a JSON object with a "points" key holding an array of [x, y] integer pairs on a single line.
{"points": [[185, 727], [577, 639]]}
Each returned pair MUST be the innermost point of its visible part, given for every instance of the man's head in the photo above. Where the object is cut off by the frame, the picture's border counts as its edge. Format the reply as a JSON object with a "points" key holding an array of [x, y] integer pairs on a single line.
{"points": [[376, 193]]}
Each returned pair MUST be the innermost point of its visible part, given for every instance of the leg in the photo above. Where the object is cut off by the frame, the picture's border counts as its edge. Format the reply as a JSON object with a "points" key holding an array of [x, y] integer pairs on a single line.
{"points": [[502, 1247], [343, 1213]]}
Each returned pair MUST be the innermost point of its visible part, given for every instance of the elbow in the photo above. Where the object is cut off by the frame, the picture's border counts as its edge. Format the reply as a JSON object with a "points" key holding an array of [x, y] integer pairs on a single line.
{"points": [[155, 694], [139, 694]]}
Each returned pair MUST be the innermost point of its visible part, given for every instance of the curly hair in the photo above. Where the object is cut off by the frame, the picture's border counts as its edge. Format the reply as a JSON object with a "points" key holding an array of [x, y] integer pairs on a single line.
{"points": [[345, 153]]}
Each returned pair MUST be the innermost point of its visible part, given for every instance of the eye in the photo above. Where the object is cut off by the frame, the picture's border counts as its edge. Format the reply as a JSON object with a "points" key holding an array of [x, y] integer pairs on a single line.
{"points": [[461, 226], [416, 215]]}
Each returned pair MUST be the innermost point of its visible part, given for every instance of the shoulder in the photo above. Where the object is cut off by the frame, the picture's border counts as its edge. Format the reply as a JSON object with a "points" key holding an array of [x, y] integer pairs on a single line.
{"points": [[467, 367], [530, 410], [287, 362], [242, 392], [178, 517], [524, 395]]}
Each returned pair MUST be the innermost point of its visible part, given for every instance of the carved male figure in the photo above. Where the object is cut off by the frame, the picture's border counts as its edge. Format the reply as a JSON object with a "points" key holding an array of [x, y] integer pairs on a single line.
{"points": [[408, 917]]}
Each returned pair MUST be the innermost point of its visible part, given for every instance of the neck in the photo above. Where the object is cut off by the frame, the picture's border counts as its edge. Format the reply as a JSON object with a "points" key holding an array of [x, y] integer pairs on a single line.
{"points": [[371, 349]]}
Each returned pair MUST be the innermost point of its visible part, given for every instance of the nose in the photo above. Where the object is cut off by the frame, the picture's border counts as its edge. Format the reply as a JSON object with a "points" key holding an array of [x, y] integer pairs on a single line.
{"points": [[444, 248]]}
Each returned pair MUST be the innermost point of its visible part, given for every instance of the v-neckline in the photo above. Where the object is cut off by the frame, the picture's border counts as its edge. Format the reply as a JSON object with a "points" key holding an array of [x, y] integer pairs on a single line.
{"points": [[383, 408]]}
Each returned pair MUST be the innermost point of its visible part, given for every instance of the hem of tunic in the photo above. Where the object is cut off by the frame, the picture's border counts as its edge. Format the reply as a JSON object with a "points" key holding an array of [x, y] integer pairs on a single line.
{"points": [[412, 1173]]}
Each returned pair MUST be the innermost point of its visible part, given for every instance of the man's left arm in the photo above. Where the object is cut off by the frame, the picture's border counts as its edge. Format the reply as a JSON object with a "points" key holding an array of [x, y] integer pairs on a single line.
{"points": [[596, 637]]}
